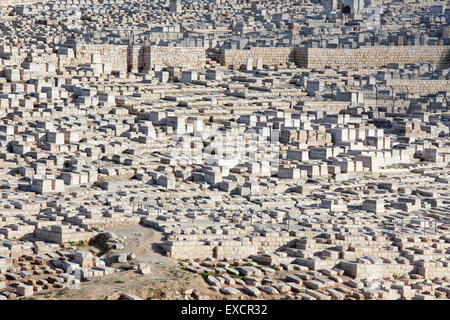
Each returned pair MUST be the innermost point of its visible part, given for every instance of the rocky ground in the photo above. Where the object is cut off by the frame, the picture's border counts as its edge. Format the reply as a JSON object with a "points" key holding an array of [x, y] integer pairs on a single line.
{"points": [[166, 280]]}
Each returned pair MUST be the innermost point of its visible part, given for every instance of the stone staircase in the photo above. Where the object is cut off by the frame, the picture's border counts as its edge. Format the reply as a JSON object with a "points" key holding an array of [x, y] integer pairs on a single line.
{"points": [[214, 65]]}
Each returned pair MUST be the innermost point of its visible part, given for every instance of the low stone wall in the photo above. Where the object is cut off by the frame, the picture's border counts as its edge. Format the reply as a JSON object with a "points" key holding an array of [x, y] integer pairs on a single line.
{"points": [[20, 2], [431, 270], [328, 106], [193, 250], [337, 58], [184, 57], [360, 270], [421, 87], [224, 248], [187, 249], [314, 264], [238, 251], [270, 56], [371, 56], [137, 58], [53, 236], [301, 57], [114, 55]]}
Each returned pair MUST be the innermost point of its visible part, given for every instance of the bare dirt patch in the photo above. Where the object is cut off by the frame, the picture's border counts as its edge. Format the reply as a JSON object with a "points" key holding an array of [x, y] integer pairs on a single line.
{"points": [[166, 281]]}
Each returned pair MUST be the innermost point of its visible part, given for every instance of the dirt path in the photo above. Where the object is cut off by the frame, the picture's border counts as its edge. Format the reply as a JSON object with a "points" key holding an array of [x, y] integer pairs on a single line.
{"points": [[166, 281]]}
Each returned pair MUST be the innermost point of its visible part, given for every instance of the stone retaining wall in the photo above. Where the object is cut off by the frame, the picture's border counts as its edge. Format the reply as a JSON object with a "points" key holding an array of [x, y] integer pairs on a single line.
{"points": [[183, 57], [337, 58], [223, 249], [62, 237], [422, 87], [359, 270], [314, 264], [270, 56], [433, 272], [114, 55], [137, 58], [138, 55], [371, 56]]}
